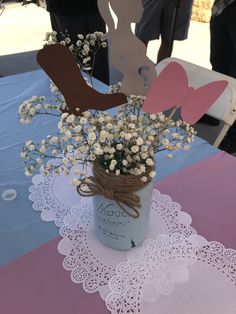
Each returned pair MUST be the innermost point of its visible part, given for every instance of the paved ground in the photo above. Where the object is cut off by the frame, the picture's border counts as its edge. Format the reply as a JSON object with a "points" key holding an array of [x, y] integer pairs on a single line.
{"points": [[22, 31], [22, 28], [195, 49]]}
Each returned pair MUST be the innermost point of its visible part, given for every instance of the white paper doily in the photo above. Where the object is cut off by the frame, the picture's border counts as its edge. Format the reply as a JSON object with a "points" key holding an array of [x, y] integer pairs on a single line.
{"points": [[142, 283]]}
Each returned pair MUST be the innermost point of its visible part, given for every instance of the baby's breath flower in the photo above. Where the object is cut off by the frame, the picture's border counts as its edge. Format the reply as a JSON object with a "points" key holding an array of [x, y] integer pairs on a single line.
{"points": [[75, 182], [151, 138], [28, 173], [133, 117], [139, 141], [131, 125], [175, 135], [67, 40], [144, 148], [142, 168], [178, 145], [112, 167], [92, 157], [124, 162], [38, 106], [83, 120], [102, 139], [113, 162], [129, 159], [64, 115], [54, 140], [153, 116], [92, 136], [23, 154], [161, 117], [39, 160], [128, 136], [186, 147], [111, 150], [76, 172], [144, 155], [69, 148], [135, 149], [109, 126], [70, 118], [144, 179], [137, 171], [149, 162], [42, 149], [165, 142], [28, 143], [31, 147], [32, 111], [98, 151], [152, 174]]}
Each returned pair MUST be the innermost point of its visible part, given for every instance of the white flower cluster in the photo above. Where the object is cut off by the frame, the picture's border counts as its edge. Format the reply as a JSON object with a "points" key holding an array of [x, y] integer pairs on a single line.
{"points": [[84, 50], [50, 38], [124, 143], [115, 88], [37, 105]]}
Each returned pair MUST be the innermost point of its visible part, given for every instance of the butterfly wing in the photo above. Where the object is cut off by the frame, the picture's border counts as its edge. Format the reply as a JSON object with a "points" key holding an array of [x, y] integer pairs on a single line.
{"points": [[200, 100], [167, 90]]}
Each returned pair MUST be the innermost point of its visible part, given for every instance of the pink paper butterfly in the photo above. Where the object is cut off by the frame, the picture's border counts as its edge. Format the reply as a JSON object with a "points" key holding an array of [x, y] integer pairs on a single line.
{"points": [[170, 89]]}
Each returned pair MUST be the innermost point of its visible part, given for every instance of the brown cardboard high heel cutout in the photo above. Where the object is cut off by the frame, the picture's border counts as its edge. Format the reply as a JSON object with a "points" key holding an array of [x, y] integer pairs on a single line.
{"points": [[59, 64]]}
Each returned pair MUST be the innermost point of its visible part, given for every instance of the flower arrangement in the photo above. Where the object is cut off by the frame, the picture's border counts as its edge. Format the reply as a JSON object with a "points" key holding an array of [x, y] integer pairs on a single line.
{"points": [[123, 142]]}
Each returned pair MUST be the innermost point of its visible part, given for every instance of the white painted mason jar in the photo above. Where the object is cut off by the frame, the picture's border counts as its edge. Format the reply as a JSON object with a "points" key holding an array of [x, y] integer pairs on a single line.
{"points": [[117, 229]]}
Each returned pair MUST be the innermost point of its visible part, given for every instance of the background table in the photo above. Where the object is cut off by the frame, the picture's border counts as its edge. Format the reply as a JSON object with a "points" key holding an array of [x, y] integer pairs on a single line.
{"points": [[202, 180]]}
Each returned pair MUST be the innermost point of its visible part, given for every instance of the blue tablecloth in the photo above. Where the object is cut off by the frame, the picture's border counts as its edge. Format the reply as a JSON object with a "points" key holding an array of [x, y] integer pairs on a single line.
{"points": [[21, 228]]}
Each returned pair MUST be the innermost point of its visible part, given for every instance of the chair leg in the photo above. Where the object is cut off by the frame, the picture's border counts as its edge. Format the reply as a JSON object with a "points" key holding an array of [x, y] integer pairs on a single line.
{"points": [[221, 135]]}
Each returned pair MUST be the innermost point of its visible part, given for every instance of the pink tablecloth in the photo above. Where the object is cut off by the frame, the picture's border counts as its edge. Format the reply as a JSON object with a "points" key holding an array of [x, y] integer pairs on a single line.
{"points": [[37, 283], [207, 191]]}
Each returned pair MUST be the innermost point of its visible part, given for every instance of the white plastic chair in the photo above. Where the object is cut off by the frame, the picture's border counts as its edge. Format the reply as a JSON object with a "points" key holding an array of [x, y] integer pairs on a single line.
{"points": [[224, 108]]}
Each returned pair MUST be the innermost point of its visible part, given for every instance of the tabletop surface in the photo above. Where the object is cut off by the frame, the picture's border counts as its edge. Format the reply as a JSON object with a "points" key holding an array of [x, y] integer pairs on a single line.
{"points": [[204, 175]]}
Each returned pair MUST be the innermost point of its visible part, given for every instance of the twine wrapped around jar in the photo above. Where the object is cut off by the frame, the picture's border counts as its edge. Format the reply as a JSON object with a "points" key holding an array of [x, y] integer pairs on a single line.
{"points": [[119, 188]]}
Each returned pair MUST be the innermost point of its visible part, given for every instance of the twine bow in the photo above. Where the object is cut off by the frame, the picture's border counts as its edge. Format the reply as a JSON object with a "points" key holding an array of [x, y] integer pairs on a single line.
{"points": [[118, 188]]}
